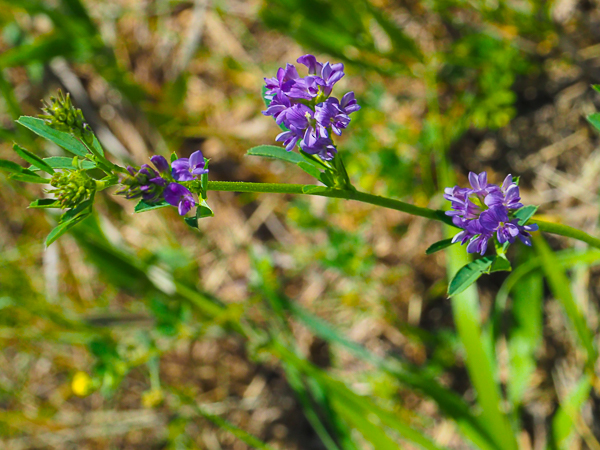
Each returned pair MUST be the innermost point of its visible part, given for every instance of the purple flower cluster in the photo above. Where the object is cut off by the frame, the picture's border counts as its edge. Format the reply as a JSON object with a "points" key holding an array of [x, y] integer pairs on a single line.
{"points": [[484, 209], [157, 183], [305, 108]]}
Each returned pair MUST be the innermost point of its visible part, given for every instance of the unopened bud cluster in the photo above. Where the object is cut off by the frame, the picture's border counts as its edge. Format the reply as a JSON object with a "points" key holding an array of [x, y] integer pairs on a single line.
{"points": [[61, 115], [72, 187]]}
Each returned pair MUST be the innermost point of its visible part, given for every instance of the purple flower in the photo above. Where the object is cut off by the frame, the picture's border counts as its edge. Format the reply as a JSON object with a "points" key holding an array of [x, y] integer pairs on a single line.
{"points": [[279, 104], [314, 67], [145, 183], [305, 88], [313, 144], [480, 185], [293, 106], [508, 195], [462, 205], [184, 169], [349, 103], [496, 220], [280, 82], [331, 74], [330, 114], [160, 163], [297, 119], [180, 196], [483, 210]]}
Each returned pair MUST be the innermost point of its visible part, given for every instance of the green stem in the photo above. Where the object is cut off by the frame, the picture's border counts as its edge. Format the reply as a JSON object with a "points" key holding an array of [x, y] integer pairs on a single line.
{"points": [[304, 189]]}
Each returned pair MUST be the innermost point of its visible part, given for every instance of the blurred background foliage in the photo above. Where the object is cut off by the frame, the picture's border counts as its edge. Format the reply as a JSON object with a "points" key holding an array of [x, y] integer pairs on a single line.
{"points": [[301, 323]]}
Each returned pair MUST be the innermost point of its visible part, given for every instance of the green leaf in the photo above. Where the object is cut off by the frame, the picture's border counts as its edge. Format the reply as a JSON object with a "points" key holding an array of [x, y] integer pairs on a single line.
{"points": [[173, 157], [596, 87], [45, 203], [500, 264], [469, 273], [310, 169], [97, 147], [33, 159], [10, 166], [63, 227], [563, 425], [142, 206], [561, 289], [594, 120], [60, 138], [191, 221], [204, 210], [439, 245], [272, 151], [29, 178], [525, 213], [64, 162]]}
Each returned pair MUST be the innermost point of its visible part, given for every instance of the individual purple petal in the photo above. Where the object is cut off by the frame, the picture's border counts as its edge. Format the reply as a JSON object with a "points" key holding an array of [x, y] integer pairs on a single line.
{"points": [[197, 163], [180, 196], [349, 103], [314, 67], [331, 74], [289, 139], [161, 164]]}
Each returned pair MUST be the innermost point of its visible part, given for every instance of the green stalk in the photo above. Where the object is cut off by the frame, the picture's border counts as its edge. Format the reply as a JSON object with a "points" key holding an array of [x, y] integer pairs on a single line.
{"points": [[390, 203]]}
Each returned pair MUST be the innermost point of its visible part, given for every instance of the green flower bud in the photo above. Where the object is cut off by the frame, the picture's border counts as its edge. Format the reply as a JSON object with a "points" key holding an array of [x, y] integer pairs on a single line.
{"points": [[61, 115], [72, 187]]}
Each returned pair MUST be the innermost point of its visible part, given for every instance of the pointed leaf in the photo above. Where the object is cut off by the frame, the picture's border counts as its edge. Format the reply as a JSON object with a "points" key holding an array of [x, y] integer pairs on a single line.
{"points": [[272, 151], [142, 206], [439, 245], [10, 166], [64, 162], [45, 203], [594, 120], [500, 264], [525, 213], [63, 227], [33, 159], [60, 138], [29, 178], [468, 274]]}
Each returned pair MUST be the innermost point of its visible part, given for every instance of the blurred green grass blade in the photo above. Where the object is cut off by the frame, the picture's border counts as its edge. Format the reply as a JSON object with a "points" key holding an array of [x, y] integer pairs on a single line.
{"points": [[14, 108], [242, 435], [479, 355], [64, 140], [450, 403], [364, 405], [526, 333], [562, 423], [295, 380], [43, 49], [370, 432], [565, 258], [561, 290]]}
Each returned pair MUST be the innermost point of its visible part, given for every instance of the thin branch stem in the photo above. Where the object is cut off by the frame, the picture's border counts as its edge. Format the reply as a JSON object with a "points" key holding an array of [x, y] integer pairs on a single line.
{"points": [[307, 189]]}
